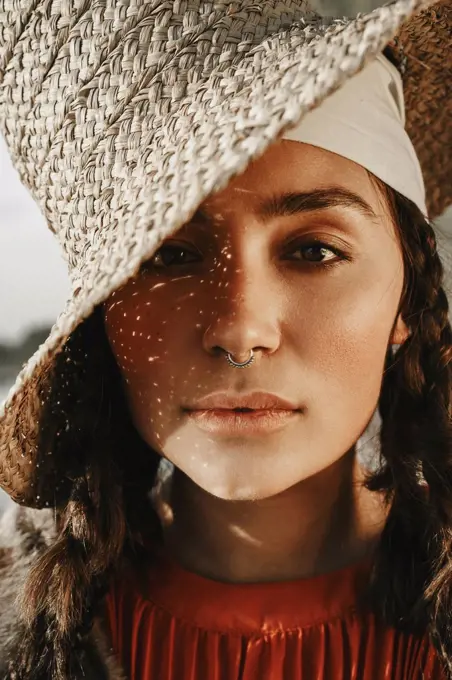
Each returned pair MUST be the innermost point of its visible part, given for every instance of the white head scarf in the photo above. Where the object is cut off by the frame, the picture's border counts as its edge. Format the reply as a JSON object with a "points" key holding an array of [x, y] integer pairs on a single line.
{"points": [[364, 121]]}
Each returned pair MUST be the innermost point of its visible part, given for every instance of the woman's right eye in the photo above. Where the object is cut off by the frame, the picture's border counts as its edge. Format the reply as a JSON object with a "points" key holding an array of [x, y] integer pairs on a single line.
{"points": [[170, 256]]}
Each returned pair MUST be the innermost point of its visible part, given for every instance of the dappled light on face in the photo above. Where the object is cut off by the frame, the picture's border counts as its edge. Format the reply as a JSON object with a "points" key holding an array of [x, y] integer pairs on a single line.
{"points": [[310, 283]]}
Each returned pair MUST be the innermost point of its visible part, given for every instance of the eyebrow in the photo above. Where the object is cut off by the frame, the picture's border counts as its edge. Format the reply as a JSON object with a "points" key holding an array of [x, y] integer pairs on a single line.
{"points": [[289, 204], [294, 203]]}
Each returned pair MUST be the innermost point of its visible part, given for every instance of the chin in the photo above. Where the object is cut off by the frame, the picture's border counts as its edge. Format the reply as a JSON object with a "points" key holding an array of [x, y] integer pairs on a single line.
{"points": [[242, 490]]}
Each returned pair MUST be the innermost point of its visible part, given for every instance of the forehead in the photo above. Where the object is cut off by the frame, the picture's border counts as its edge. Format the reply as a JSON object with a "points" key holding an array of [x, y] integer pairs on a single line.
{"points": [[289, 166], [289, 178]]}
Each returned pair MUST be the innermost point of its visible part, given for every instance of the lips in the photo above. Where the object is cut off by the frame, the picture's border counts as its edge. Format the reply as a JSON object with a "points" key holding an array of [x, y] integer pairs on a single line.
{"points": [[256, 401], [229, 422], [229, 414]]}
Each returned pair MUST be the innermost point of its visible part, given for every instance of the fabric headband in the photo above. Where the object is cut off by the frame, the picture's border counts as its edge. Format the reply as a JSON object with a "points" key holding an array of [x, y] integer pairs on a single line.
{"points": [[364, 121]]}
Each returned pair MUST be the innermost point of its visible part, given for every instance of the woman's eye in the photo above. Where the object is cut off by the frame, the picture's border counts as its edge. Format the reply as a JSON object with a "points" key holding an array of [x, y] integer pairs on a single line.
{"points": [[172, 255], [317, 252]]}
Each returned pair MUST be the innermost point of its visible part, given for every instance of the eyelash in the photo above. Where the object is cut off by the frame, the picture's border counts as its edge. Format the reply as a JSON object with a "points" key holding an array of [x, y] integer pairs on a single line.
{"points": [[341, 256]]}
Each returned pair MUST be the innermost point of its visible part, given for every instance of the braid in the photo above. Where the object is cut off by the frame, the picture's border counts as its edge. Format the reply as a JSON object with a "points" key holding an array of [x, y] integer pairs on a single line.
{"points": [[413, 569], [88, 430]]}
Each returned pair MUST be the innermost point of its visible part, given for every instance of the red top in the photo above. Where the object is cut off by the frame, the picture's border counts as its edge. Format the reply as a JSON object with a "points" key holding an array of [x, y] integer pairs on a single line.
{"points": [[170, 624]]}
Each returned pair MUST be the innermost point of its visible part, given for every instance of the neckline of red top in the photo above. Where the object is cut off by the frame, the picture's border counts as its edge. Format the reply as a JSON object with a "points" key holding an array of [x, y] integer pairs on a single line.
{"points": [[252, 607]]}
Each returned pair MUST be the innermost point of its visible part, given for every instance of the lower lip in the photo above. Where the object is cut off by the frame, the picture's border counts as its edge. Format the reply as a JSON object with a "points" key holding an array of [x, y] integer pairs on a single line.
{"points": [[229, 422]]}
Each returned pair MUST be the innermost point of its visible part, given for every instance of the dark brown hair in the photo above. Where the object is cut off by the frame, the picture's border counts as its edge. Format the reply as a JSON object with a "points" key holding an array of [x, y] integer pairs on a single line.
{"points": [[412, 576], [107, 510]]}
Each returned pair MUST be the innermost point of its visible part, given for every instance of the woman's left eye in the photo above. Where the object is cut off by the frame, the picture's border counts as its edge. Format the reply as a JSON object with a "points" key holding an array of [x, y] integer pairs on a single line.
{"points": [[318, 253]]}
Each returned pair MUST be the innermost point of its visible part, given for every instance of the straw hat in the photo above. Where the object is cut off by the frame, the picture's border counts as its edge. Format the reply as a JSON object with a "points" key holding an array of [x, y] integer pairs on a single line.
{"points": [[122, 116]]}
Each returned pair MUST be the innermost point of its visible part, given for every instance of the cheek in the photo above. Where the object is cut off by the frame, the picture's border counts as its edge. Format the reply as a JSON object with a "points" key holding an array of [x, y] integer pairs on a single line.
{"points": [[144, 332], [344, 347]]}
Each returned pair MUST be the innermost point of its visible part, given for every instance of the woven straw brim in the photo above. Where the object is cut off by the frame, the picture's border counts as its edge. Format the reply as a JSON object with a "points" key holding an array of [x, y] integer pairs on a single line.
{"points": [[225, 118]]}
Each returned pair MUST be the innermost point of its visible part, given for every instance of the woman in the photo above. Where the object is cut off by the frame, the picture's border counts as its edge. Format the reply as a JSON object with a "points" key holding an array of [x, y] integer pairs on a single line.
{"points": [[192, 421]]}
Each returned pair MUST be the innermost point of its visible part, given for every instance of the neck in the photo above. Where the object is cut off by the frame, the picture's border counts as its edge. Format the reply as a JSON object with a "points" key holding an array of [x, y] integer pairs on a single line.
{"points": [[318, 525]]}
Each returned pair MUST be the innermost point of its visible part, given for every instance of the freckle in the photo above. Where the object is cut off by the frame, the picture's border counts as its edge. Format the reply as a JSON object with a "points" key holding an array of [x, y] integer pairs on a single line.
{"points": [[159, 400], [160, 413], [125, 313], [148, 337], [133, 333], [138, 318]]}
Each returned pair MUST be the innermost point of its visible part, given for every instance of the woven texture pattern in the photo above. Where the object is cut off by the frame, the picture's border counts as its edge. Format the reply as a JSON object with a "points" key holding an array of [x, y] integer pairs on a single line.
{"points": [[424, 51], [122, 116]]}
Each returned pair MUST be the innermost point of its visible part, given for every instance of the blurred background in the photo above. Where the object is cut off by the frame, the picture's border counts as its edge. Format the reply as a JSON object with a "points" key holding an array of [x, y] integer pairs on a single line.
{"points": [[33, 279]]}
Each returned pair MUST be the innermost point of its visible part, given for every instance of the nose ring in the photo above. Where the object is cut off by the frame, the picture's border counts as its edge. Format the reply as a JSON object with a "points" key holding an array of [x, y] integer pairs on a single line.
{"points": [[236, 364]]}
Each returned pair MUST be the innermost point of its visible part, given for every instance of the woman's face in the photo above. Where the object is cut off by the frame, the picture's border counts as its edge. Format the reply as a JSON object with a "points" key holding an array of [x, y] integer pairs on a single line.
{"points": [[312, 283]]}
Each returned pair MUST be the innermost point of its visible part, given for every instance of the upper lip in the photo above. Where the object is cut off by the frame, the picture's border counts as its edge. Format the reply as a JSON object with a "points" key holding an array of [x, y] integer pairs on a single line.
{"points": [[255, 400]]}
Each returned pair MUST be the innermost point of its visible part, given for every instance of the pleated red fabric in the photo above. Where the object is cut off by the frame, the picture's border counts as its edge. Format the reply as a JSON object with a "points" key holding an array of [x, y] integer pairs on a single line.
{"points": [[167, 623]]}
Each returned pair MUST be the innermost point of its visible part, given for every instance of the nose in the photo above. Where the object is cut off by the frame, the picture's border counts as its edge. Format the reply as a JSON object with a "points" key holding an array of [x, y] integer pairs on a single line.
{"points": [[246, 316]]}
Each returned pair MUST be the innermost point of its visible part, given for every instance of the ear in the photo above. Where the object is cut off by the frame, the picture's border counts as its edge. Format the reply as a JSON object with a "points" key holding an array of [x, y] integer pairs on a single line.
{"points": [[400, 332]]}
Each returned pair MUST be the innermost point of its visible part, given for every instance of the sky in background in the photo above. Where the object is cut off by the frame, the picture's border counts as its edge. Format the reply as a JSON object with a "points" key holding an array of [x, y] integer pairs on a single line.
{"points": [[33, 280]]}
